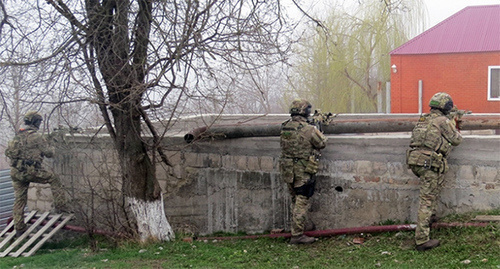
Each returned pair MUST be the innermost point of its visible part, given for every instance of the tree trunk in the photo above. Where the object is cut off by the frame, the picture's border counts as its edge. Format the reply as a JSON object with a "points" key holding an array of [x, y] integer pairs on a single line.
{"points": [[140, 186], [151, 220]]}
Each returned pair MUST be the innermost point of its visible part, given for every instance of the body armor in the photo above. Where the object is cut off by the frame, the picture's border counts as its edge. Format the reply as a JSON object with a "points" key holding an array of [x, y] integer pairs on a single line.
{"points": [[431, 141]]}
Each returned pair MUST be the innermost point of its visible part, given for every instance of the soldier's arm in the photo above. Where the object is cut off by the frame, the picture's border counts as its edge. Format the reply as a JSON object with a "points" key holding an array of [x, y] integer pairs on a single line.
{"points": [[318, 140], [44, 146], [450, 132]]}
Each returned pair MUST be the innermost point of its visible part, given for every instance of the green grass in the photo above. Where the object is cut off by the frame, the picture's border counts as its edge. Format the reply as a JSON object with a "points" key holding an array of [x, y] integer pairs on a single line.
{"points": [[479, 245]]}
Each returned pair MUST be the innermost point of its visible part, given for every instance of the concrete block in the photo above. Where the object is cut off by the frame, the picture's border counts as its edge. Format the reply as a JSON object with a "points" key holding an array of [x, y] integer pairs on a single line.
{"points": [[486, 173], [465, 176], [363, 167], [267, 163], [32, 192], [379, 168], [398, 170], [194, 159], [253, 163], [241, 162], [344, 166], [43, 192], [177, 170], [31, 204], [214, 160], [228, 162], [174, 157]]}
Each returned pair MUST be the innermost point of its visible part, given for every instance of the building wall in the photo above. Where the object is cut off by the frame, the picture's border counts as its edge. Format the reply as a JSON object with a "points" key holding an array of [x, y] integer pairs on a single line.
{"points": [[463, 75], [233, 185]]}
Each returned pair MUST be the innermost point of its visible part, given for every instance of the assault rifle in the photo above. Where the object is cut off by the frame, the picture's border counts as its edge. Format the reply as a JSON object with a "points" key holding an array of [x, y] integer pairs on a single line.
{"points": [[58, 133], [456, 115], [319, 119]]}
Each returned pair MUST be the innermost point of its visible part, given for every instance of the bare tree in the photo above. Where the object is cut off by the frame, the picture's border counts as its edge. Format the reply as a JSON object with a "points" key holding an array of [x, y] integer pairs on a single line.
{"points": [[343, 68], [144, 60]]}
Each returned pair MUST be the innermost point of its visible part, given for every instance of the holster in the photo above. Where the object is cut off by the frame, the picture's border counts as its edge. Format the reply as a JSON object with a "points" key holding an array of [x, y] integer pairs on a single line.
{"points": [[312, 165]]}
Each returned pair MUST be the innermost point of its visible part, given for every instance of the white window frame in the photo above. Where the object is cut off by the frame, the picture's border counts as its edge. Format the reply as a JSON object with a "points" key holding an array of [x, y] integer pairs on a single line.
{"points": [[490, 68]]}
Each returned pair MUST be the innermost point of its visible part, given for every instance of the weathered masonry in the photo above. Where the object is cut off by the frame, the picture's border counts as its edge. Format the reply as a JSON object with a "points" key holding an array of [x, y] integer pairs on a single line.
{"points": [[234, 185]]}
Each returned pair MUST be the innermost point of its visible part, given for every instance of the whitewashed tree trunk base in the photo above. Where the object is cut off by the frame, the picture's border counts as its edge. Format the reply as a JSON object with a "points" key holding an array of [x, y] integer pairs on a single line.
{"points": [[151, 220]]}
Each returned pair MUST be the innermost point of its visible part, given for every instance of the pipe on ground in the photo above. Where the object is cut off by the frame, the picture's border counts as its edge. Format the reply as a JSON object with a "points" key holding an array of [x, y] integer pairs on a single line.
{"points": [[80, 229], [338, 126], [341, 231], [320, 233]]}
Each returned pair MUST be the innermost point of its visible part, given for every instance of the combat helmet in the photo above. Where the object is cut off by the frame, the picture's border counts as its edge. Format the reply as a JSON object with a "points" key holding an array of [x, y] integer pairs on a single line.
{"points": [[441, 101], [300, 107], [33, 118]]}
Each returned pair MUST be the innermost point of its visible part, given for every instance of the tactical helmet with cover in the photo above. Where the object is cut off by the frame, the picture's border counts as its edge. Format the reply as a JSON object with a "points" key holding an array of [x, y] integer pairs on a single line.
{"points": [[33, 118], [441, 101], [300, 107]]}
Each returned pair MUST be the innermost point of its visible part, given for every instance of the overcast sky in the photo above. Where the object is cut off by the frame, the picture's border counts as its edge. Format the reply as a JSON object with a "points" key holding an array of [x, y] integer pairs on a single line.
{"points": [[439, 10]]}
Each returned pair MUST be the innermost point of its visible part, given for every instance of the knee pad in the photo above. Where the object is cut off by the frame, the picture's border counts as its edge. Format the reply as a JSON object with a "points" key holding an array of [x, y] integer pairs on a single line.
{"points": [[307, 189]]}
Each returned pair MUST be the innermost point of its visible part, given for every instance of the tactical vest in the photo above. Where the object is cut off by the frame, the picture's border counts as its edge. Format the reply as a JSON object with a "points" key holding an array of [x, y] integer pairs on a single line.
{"points": [[293, 143], [427, 135]]}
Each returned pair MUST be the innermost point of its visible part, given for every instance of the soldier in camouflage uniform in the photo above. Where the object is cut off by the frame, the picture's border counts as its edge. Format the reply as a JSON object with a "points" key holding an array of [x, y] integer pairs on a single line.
{"points": [[300, 144], [431, 142], [26, 152]]}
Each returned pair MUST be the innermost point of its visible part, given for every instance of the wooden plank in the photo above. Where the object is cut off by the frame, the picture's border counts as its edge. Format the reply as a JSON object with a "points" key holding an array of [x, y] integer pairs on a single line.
{"points": [[487, 218], [13, 233], [55, 230], [11, 224], [36, 236], [24, 235]]}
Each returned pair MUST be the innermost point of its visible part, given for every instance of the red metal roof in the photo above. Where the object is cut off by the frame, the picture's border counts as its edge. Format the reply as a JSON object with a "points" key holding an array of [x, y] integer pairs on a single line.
{"points": [[472, 29]]}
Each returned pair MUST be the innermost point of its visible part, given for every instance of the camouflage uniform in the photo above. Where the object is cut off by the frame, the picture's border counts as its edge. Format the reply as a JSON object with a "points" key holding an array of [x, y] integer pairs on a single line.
{"points": [[431, 142], [300, 144], [26, 152]]}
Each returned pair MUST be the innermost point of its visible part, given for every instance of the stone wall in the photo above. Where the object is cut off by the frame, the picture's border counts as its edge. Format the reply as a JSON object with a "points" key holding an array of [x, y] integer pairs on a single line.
{"points": [[234, 185]]}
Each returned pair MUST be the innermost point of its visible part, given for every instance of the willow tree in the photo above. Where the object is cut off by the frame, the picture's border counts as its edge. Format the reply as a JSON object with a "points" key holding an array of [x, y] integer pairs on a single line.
{"points": [[341, 69], [139, 59]]}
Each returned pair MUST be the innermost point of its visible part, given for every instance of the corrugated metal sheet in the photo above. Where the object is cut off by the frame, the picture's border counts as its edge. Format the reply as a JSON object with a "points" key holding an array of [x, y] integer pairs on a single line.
{"points": [[473, 29], [6, 197]]}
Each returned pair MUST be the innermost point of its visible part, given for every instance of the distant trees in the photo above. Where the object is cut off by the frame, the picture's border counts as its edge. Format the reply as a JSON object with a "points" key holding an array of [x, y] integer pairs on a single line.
{"points": [[342, 68]]}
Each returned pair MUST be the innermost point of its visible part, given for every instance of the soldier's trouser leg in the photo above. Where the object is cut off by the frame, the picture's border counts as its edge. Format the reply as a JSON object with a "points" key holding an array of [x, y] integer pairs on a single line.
{"points": [[299, 214], [301, 189], [430, 186], [21, 198]]}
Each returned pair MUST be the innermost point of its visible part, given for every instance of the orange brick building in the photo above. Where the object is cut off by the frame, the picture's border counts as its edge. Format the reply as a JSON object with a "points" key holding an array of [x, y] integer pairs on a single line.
{"points": [[460, 56]]}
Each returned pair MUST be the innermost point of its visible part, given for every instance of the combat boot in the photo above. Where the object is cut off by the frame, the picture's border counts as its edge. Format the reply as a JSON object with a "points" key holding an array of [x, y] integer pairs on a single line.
{"points": [[302, 239], [428, 245], [20, 232]]}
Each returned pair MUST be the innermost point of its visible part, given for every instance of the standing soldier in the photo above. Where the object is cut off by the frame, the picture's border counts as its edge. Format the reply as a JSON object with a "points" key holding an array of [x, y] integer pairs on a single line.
{"points": [[431, 142], [26, 152], [300, 144]]}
